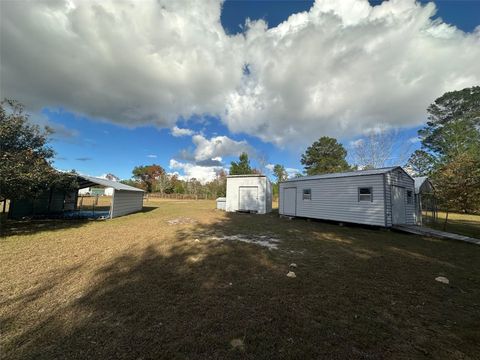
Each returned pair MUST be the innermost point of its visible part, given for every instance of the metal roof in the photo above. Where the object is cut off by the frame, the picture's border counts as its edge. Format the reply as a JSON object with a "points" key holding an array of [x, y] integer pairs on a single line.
{"points": [[347, 174], [88, 181], [419, 181], [246, 175]]}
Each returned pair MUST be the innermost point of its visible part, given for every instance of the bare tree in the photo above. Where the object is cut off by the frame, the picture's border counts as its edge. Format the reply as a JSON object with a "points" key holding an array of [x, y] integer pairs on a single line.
{"points": [[379, 148]]}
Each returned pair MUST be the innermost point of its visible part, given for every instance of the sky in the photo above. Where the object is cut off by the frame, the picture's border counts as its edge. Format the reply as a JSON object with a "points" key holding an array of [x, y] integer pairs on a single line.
{"points": [[189, 85]]}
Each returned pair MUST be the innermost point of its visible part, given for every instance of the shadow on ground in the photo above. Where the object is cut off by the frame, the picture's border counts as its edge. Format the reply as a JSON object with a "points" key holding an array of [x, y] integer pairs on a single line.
{"points": [[27, 227], [358, 293]]}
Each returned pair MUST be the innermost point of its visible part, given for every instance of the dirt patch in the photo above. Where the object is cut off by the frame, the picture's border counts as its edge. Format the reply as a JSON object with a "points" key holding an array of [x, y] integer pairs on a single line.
{"points": [[261, 240], [181, 221]]}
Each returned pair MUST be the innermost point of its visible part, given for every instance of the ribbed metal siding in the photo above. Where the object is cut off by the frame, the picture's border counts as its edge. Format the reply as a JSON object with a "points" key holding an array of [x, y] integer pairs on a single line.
{"points": [[337, 199], [400, 178], [126, 202]]}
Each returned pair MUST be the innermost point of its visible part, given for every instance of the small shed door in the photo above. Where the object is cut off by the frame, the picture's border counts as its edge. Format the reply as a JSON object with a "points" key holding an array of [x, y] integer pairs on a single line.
{"points": [[248, 198], [398, 205], [290, 201]]}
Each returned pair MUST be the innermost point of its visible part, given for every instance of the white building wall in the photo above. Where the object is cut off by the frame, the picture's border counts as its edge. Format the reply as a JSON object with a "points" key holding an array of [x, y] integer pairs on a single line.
{"points": [[400, 178], [337, 199], [84, 191], [264, 200], [126, 202], [269, 196]]}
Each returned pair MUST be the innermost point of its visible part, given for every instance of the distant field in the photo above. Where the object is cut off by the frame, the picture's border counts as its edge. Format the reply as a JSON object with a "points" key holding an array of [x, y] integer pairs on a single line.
{"points": [[463, 224], [181, 280], [89, 202]]}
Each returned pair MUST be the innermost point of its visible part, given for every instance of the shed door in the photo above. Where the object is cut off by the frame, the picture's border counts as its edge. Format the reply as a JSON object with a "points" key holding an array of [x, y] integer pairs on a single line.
{"points": [[248, 198], [398, 205], [290, 201]]}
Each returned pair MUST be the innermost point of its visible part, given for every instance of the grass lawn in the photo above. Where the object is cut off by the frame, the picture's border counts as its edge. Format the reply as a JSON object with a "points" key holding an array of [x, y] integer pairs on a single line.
{"points": [[166, 283], [463, 224]]}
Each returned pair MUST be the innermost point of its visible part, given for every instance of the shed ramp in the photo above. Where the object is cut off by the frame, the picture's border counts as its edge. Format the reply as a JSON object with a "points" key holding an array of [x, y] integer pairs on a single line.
{"points": [[425, 231]]}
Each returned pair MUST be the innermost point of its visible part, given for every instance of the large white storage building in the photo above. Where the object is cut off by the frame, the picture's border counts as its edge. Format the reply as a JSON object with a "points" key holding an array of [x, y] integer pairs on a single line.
{"points": [[252, 193], [380, 197]]}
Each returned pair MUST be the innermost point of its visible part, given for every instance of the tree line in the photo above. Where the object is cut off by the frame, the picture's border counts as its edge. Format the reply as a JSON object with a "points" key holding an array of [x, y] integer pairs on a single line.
{"points": [[154, 179]]}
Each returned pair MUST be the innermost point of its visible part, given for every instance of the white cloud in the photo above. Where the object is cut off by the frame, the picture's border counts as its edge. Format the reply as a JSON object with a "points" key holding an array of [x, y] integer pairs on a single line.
{"points": [[291, 172], [152, 156], [178, 132], [131, 62], [344, 67], [414, 140], [218, 146], [269, 167], [338, 69], [356, 143], [201, 173]]}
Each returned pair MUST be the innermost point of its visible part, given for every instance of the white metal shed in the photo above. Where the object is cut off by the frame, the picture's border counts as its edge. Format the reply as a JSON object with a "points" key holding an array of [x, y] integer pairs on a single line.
{"points": [[125, 199], [249, 193], [380, 197]]}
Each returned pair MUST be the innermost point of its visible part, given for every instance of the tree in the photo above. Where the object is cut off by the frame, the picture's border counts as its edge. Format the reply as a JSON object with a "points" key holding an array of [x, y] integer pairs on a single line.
{"points": [[280, 173], [134, 183], [325, 155], [241, 167], [218, 186], [458, 183], [163, 184], [453, 124], [148, 175], [25, 158], [377, 147], [421, 163], [451, 147]]}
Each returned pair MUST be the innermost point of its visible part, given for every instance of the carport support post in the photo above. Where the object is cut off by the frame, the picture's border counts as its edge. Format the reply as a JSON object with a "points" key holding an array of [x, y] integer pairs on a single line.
{"points": [[111, 204]]}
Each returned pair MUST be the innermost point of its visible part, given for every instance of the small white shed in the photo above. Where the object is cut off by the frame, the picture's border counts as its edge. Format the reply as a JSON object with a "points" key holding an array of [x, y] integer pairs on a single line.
{"points": [[249, 193], [380, 197]]}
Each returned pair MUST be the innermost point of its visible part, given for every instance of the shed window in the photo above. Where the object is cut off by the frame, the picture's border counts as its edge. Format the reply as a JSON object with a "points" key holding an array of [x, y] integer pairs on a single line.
{"points": [[307, 194], [409, 197], [365, 194]]}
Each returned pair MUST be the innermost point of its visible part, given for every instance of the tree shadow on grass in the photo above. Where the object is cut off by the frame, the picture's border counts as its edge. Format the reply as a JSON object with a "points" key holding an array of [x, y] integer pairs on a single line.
{"points": [[190, 297], [28, 227]]}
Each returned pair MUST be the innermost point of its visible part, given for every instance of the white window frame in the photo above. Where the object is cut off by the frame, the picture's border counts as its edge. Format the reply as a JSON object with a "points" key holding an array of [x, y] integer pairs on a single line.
{"points": [[307, 196], [370, 196]]}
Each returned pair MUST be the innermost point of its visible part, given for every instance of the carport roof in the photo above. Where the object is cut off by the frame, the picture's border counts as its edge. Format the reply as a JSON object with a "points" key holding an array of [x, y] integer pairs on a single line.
{"points": [[85, 181]]}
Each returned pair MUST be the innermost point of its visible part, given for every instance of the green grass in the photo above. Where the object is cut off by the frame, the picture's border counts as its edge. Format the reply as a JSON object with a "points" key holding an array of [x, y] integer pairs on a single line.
{"points": [[138, 288], [463, 224]]}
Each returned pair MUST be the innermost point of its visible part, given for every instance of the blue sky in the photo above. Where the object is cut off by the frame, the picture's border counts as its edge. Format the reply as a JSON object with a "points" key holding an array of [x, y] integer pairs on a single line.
{"points": [[96, 140]]}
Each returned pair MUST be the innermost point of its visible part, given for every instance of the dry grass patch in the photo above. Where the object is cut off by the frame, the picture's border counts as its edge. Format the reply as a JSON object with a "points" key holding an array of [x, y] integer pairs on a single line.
{"points": [[137, 287], [463, 224]]}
